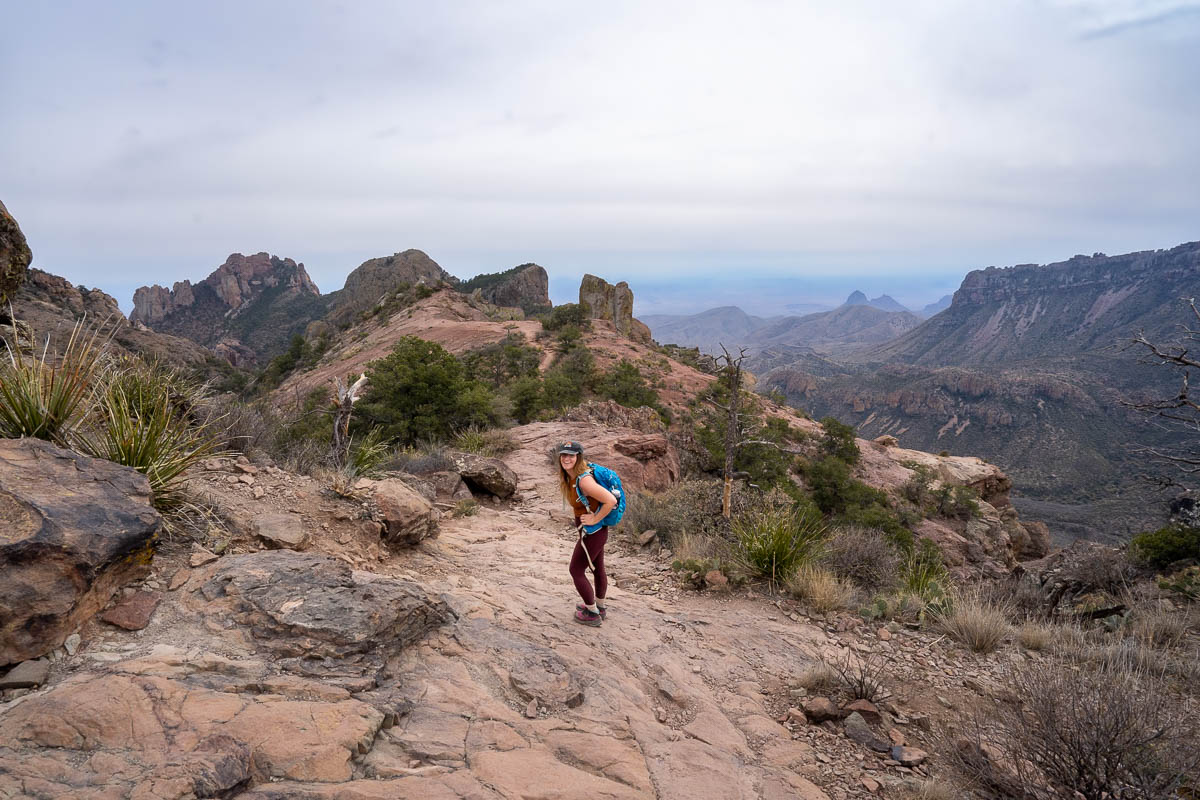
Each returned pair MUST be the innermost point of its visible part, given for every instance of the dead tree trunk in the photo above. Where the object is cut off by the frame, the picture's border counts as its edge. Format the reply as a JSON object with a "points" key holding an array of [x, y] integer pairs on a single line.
{"points": [[343, 404], [733, 433]]}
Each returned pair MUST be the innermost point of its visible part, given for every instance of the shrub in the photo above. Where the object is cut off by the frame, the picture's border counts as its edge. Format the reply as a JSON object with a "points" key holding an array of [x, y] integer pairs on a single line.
{"points": [[576, 314], [834, 491], [958, 502], [465, 508], [688, 508], [861, 676], [864, 556], [902, 605], [369, 454], [820, 589], [774, 541], [421, 391], [1101, 569], [421, 461], [916, 489], [625, 384], [924, 573], [140, 427], [973, 622], [1185, 582], [1165, 546], [501, 363], [493, 443], [527, 399], [839, 440], [1109, 731], [47, 396]]}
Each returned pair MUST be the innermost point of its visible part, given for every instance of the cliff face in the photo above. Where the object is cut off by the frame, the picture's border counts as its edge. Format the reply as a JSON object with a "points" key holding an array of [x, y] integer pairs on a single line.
{"points": [[1083, 304], [526, 287], [247, 309], [613, 303], [15, 256]]}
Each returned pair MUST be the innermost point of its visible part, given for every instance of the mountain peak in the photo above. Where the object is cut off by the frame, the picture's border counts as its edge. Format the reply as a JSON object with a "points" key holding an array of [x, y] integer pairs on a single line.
{"points": [[856, 298]]}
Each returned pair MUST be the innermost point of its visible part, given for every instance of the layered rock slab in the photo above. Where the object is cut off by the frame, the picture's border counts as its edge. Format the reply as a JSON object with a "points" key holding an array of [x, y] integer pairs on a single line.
{"points": [[147, 736], [73, 530], [315, 613]]}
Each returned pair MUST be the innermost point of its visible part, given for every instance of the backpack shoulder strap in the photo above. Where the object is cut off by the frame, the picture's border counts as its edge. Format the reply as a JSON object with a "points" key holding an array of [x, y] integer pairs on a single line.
{"points": [[579, 492]]}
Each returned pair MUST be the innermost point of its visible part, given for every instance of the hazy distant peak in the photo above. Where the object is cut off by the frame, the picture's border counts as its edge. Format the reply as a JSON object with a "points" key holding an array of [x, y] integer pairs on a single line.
{"points": [[939, 306], [885, 303], [857, 298]]}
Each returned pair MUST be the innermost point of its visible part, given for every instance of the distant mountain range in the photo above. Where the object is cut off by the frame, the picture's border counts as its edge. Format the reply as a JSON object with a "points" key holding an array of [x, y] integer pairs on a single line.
{"points": [[855, 323], [1028, 368]]}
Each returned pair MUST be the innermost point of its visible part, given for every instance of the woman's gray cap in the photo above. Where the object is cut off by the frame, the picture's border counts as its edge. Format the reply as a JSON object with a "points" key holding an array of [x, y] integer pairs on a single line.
{"points": [[570, 447]]}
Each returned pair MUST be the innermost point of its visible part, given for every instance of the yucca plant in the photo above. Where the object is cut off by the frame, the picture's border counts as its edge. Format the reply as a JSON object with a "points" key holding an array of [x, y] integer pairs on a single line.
{"points": [[47, 396], [368, 456], [138, 425], [773, 542]]}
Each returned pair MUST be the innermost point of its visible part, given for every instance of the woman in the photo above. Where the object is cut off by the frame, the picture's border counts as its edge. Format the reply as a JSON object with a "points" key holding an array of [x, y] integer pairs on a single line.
{"points": [[573, 470]]}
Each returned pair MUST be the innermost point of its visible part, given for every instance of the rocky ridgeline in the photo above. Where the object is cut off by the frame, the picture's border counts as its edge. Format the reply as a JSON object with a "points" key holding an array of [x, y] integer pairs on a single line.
{"points": [[374, 279], [240, 280]]}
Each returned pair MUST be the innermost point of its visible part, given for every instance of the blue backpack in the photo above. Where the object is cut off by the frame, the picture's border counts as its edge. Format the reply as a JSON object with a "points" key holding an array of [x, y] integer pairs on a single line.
{"points": [[611, 481]]}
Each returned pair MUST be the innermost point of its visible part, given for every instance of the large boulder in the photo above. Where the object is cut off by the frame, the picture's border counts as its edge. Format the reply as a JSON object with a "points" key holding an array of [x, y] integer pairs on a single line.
{"points": [[489, 475], [73, 531], [307, 608], [14, 256], [407, 516]]}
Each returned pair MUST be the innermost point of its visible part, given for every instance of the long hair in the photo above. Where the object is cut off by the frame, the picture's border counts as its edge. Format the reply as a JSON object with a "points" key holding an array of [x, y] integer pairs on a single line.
{"points": [[566, 480]]}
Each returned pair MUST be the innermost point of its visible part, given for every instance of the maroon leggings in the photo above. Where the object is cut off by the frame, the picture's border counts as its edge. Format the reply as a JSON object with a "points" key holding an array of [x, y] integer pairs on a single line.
{"points": [[579, 565]]}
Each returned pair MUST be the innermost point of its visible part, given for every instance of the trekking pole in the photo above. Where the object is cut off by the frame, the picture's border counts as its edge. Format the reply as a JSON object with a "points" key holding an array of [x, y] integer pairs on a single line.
{"points": [[585, 550]]}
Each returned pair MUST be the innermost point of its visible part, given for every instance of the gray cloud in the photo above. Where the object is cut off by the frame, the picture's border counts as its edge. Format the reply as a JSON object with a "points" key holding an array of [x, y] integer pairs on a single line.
{"points": [[143, 142]]}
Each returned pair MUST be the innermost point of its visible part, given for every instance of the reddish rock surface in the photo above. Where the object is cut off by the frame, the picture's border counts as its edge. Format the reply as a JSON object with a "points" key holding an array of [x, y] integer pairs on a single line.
{"points": [[133, 613]]}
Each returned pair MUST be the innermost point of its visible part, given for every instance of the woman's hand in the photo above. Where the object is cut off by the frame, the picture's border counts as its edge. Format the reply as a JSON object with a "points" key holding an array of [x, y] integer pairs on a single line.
{"points": [[590, 519]]}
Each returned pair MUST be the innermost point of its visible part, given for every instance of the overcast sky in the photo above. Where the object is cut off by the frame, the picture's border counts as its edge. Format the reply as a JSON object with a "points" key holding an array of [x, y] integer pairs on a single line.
{"points": [[702, 151]]}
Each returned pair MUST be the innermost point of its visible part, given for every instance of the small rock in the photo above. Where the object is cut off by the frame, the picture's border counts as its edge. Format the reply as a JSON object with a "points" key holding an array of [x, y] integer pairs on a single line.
{"points": [[179, 579], [248, 469], [26, 674], [246, 479], [646, 537], [865, 708], [796, 715], [820, 709], [135, 613], [200, 557], [858, 730], [532, 709], [884, 634], [871, 785], [231, 479], [896, 736], [259, 492], [909, 756], [72, 643], [660, 713]]}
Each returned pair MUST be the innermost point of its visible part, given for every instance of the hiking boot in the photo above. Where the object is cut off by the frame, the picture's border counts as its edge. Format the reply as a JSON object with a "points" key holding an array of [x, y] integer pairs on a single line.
{"points": [[585, 617], [603, 610]]}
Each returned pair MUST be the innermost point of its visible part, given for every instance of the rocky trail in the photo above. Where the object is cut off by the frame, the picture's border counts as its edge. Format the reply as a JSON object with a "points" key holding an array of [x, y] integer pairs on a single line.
{"points": [[455, 670]]}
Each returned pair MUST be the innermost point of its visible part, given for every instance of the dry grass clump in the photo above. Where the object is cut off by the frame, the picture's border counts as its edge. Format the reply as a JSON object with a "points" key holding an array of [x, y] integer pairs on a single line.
{"points": [[1034, 636], [864, 556], [820, 589], [819, 678], [929, 790], [690, 507], [977, 623], [1158, 628], [493, 443]]}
